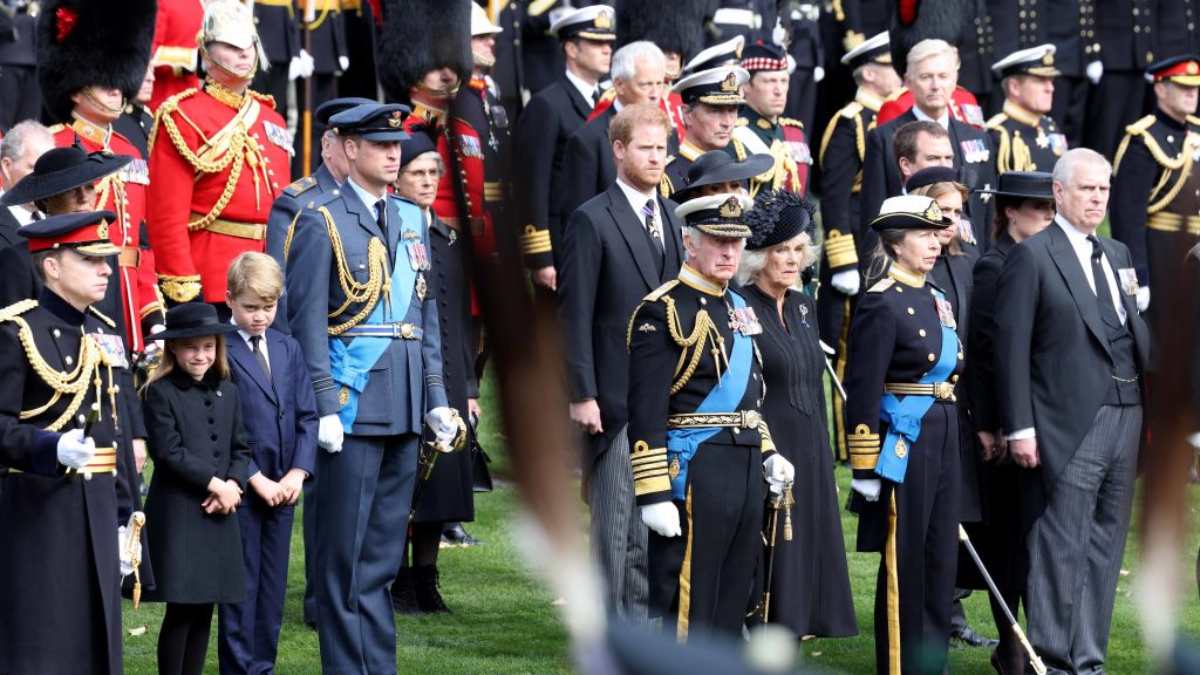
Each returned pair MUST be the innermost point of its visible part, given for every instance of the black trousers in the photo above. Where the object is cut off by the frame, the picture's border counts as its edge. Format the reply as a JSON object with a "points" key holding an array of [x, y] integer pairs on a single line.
{"points": [[704, 578], [914, 589]]}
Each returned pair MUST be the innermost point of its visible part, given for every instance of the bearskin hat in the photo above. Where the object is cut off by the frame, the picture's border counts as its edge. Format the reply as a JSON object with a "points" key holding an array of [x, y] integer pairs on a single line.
{"points": [[675, 26], [916, 20], [419, 36], [83, 43]]}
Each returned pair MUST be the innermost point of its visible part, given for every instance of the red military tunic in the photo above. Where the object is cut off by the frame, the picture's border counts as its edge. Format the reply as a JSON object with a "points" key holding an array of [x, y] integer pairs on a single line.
{"points": [[174, 54], [469, 161], [963, 107], [123, 193], [217, 162]]}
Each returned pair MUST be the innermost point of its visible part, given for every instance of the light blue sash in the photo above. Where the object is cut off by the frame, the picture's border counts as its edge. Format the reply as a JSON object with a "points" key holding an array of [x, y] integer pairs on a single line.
{"points": [[350, 363], [725, 397], [904, 415]]}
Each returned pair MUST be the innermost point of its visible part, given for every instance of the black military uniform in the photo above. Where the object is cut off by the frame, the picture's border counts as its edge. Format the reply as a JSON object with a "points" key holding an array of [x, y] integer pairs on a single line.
{"points": [[903, 343], [63, 578], [361, 27], [478, 106], [19, 89], [135, 124], [327, 39], [804, 46], [697, 435], [1025, 140], [843, 148], [279, 30], [717, 88], [1155, 211], [976, 52], [1126, 42], [844, 26], [555, 113]]}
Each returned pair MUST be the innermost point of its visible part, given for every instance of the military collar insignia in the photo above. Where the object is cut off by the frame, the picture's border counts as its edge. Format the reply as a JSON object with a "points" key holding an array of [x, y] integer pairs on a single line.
{"points": [[732, 208]]}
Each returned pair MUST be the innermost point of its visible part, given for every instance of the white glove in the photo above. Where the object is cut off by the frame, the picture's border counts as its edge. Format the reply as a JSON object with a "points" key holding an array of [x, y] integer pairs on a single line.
{"points": [[295, 67], [1095, 71], [123, 552], [778, 472], [818, 74], [306, 64], [662, 518], [330, 433], [846, 281], [74, 450], [1143, 298], [343, 63], [867, 487], [441, 422]]}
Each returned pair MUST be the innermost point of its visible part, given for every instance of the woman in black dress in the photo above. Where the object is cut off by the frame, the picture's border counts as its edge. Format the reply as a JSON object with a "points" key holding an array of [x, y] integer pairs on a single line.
{"points": [[810, 589], [1024, 207], [448, 494]]}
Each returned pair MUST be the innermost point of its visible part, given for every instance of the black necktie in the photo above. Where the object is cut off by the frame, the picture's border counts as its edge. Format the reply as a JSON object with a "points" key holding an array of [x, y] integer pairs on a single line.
{"points": [[596, 97], [35, 215], [652, 225], [381, 216], [1108, 310], [256, 347]]}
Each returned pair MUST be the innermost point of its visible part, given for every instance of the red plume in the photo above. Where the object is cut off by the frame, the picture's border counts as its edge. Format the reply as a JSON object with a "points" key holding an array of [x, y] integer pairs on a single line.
{"points": [[64, 23], [906, 12]]}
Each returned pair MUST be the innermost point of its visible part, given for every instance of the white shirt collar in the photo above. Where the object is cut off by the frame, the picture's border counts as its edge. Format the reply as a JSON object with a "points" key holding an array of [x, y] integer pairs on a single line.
{"points": [[366, 197], [638, 199], [1078, 239], [586, 90], [944, 120]]}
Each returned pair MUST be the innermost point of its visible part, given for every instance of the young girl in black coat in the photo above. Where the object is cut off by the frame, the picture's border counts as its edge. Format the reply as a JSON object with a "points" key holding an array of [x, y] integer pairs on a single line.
{"points": [[194, 424]]}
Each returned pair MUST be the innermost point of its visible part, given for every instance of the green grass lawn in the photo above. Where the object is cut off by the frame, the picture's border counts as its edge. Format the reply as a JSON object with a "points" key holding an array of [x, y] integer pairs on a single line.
{"points": [[505, 622]]}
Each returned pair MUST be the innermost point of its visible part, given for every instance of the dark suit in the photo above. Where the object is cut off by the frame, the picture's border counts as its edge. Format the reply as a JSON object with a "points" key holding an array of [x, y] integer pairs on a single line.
{"points": [[547, 123], [881, 177], [588, 166], [8, 228], [279, 30], [280, 417], [1069, 370], [608, 264], [1124, 29]]}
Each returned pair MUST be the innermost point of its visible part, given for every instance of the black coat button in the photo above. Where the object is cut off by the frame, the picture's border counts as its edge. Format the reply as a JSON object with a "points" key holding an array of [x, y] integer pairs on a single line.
{"points": [[214, 438]]}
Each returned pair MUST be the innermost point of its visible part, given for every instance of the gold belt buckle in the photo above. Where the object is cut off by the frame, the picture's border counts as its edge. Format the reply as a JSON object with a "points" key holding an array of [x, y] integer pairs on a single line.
{"points": [[405, 331], [751, 419], [943, 391]]}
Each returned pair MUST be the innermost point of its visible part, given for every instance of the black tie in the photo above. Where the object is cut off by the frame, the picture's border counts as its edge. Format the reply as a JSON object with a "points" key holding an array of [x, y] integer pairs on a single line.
{"points": [[381, 216], [35, 215], [596, 97], [256, 347], [1108, 310]]}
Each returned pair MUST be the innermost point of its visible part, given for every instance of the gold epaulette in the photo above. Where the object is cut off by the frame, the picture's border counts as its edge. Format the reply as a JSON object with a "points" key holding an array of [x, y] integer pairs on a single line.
{"points": [[265, 98], [17, 309], [852, 109], [789, 122], [882, 285], [996, 121], [180, 288], [1139, 128], [657, 294], [103, 318], [166, 108], [665, 188], [864, 448], [851, 112]]}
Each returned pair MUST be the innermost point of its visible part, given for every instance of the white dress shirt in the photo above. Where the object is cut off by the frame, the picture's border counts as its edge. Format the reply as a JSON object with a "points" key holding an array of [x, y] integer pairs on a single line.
{"points": [[586, 90], [637, 200], [943, 121], [367, 198], [250, 345]]}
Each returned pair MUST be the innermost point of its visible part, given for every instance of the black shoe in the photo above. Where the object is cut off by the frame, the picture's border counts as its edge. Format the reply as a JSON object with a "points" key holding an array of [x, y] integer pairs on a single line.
{"points": [[404, 598], [425, 585], [967, 637], [456, 535]]}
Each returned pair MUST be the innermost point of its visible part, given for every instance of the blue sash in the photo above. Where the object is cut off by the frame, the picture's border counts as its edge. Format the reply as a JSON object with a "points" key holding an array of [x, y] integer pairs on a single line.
{"points": [[350, 363], [725, 397], [904, 415]]}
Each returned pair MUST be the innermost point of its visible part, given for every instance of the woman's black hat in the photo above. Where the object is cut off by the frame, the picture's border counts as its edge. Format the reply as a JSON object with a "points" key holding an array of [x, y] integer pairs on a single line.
{"points": [[777, 216], [193, 319], [62, 170], [1024, 185], [931, 175], [718, 166]]}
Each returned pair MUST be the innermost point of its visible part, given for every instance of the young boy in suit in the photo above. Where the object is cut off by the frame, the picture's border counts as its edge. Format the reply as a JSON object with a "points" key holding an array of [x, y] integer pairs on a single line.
{"points": [[280, 416]]}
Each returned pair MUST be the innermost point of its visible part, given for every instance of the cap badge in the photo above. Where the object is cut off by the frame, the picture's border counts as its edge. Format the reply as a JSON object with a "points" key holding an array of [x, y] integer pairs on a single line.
{"points": [[934, 212], [1048, 59], [729, 84], [102, 229], [395, 121], [732, 208], [603, 21], [1193, 68]]}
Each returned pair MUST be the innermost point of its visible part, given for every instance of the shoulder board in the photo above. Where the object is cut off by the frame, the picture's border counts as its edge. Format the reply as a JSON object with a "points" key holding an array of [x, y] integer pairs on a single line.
{"points": [[996, 120], [54, 129], [301, 186], [1192, 119], [323, 199], [265, 98], [851, 110], [1140, 126], [670, 159], [665, 186], [882, 285], [17, 308], [789, 122], [657, 294], [100, 315], [742, 121]]}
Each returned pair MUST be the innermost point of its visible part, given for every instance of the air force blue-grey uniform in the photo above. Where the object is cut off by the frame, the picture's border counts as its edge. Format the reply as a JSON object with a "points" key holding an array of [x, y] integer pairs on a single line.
{"points": [[360, 310]]}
